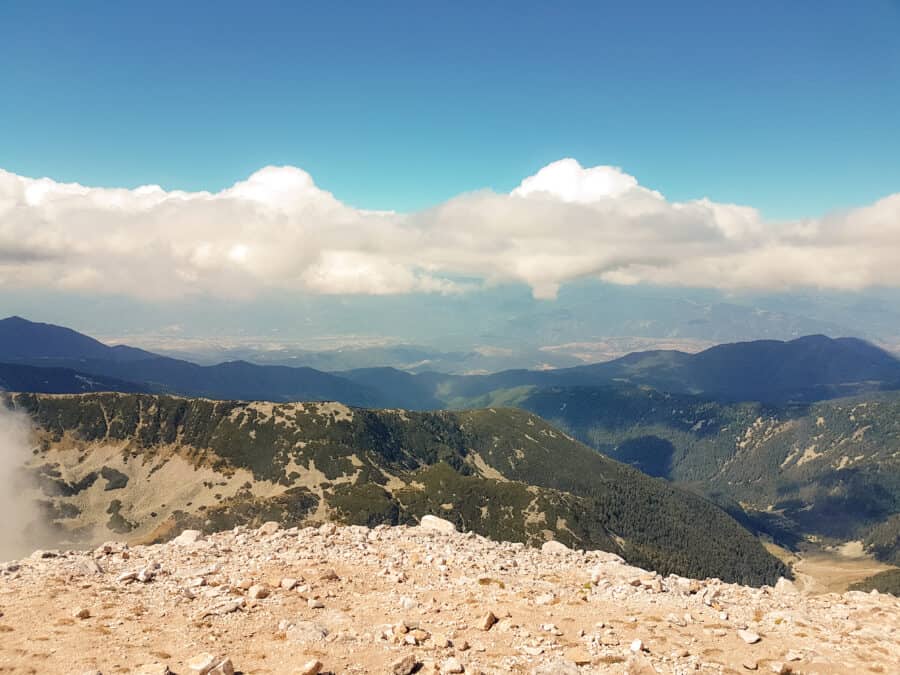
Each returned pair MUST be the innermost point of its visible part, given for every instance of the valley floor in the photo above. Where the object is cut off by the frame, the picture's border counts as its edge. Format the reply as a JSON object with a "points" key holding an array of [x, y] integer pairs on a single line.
{"points": [[391, 600], [830, 569]]}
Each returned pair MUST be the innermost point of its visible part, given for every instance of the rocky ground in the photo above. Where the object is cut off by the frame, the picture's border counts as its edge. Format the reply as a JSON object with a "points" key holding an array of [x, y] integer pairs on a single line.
{"points": [[402, 600]]}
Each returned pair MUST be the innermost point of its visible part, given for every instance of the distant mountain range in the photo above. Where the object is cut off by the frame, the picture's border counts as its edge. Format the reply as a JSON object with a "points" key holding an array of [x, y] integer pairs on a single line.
{"points": [[47, 346], [802, 370], [764, 428]]}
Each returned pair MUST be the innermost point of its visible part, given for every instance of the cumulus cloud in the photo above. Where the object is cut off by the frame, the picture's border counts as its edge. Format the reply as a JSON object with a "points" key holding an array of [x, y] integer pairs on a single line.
{"points": [[279, 230]]}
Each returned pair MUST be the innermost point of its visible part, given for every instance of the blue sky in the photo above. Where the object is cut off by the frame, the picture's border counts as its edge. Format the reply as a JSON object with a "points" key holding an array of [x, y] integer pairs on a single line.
{"points": [[789, 106]]}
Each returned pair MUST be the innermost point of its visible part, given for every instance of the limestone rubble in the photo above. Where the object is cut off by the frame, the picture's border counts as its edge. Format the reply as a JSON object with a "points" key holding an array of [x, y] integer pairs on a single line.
{"points": [[421, 599]]}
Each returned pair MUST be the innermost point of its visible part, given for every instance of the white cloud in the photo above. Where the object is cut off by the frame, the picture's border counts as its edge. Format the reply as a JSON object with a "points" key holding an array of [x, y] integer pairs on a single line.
{"points": [[277, 229]]}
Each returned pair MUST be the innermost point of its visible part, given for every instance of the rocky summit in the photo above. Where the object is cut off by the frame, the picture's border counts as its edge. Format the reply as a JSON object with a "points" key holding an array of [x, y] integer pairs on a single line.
{"points": [[426, 599]]}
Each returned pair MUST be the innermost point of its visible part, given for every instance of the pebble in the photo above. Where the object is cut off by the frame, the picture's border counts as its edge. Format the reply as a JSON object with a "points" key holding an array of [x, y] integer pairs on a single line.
{"points": [[404, 665], [310, 668], [452, 665], [748, 636], [487, 621], [258, 591]]}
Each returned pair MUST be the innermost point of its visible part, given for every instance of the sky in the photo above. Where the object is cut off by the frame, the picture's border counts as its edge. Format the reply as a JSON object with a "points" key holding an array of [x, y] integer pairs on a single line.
{"points": [[790, 107], [228, 152]]}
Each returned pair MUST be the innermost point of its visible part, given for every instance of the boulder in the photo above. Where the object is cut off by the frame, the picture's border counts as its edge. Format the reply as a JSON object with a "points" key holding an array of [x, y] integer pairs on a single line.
{"points": [[555, 548], [188, 538], [437, 524]]}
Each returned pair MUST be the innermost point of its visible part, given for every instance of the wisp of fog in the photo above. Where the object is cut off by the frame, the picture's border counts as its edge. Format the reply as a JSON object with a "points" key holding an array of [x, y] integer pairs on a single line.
{"points": [[18, 512]]}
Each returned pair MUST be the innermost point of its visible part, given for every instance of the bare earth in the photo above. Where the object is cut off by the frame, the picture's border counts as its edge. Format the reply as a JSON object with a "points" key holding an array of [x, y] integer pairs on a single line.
{"points": [[360, 601]]}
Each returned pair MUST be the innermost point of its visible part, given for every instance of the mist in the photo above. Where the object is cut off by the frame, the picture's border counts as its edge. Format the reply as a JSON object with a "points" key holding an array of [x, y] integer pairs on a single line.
{"points": [[19, 512]]}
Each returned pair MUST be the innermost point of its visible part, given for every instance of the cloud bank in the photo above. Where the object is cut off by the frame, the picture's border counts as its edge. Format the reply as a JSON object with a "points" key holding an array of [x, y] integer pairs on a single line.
{"points": [[278, 230]]}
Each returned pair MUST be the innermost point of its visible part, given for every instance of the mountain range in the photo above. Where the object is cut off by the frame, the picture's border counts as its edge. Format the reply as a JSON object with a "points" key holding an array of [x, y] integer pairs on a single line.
{"points": [[796, 440], [803, 370]]}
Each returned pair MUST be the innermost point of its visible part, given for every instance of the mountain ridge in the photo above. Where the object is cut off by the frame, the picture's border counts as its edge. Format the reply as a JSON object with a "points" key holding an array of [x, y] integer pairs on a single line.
{"points": [[802, 370], [503, 473]]}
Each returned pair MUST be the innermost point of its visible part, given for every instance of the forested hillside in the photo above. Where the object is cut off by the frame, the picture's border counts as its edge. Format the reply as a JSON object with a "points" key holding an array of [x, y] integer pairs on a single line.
{"points": [[829, 469], [147, 466]]}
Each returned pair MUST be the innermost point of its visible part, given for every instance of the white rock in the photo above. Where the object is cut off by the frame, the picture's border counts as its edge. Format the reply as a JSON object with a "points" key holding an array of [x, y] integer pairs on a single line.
{"points": [[554, 548], [748, 636], [224, 667], [146, 575], [452, 665], [437, 524], [637, 645], [258, 591], [310, 668], [203, 663], [188, 537]]}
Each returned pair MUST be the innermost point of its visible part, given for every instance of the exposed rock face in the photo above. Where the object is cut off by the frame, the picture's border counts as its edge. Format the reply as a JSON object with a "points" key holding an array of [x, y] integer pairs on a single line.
{"points": [[475, 606]]}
